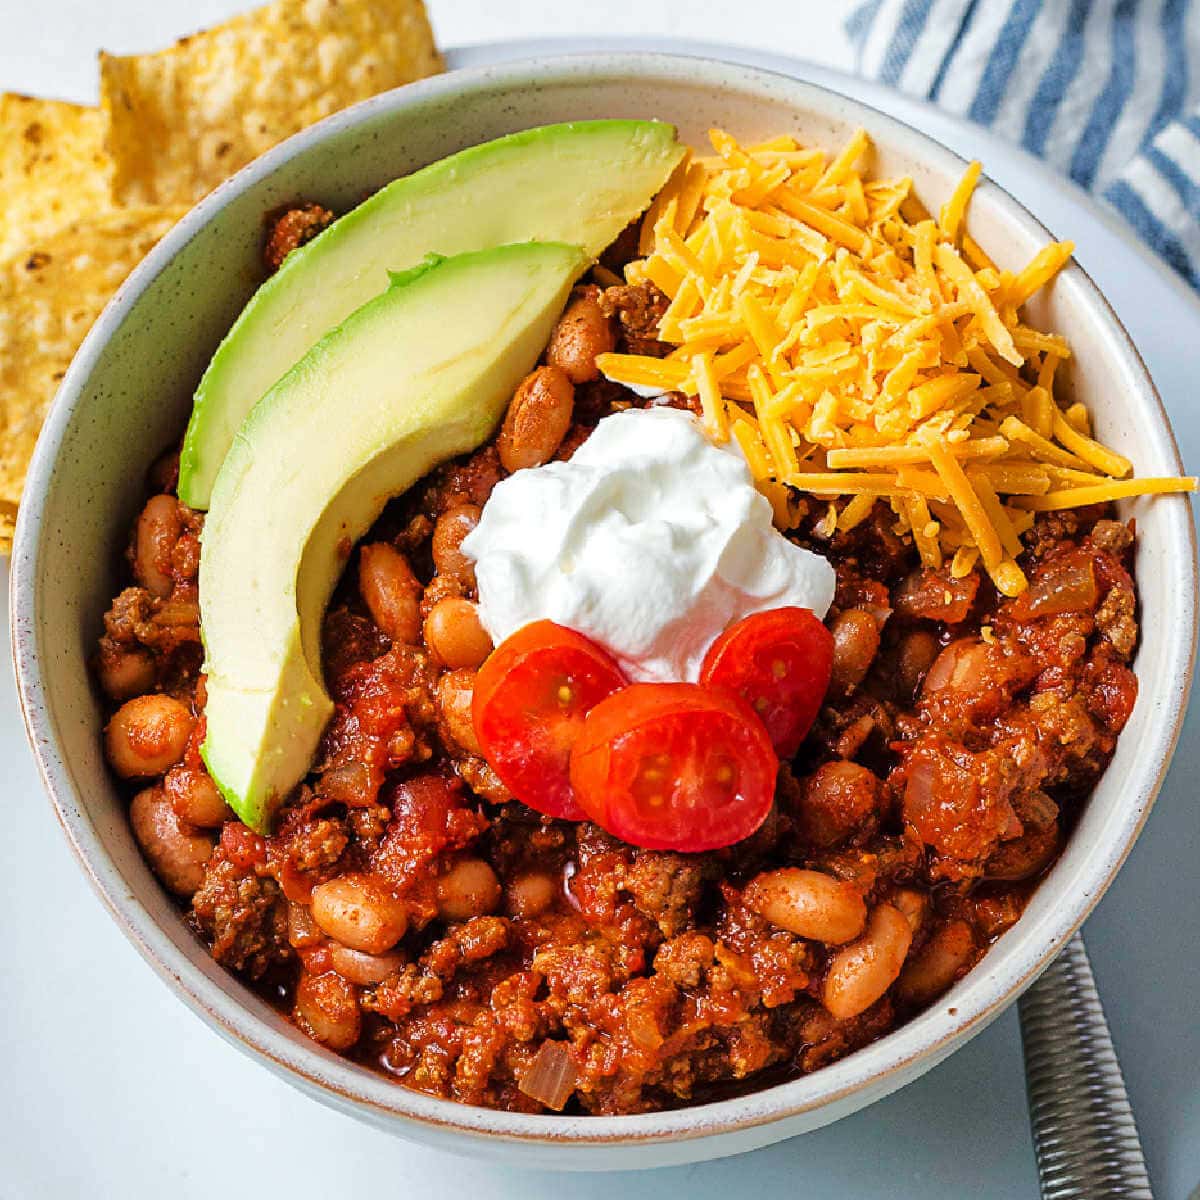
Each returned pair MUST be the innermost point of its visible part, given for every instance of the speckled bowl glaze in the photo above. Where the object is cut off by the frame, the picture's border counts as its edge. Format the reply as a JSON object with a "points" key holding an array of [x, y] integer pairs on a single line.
{"points": [[126, 398]]}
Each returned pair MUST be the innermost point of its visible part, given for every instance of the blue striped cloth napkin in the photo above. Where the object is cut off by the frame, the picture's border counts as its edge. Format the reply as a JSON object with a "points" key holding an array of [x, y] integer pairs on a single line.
{"points": [[1105, 90]]}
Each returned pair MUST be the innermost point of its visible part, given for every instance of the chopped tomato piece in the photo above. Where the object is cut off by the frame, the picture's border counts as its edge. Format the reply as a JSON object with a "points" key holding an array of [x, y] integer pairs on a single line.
{"points": [[779, 662], [674, 766], [531, 697], [243, 847]]}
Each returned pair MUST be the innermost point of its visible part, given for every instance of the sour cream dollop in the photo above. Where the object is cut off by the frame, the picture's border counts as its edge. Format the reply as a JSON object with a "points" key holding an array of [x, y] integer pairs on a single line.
{"points": [[650, 540]]}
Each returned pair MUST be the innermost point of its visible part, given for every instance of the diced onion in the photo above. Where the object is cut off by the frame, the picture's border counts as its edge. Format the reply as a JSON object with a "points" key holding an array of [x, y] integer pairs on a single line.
{"points": [[1069, 589], [918, 792], [550, 1079]]}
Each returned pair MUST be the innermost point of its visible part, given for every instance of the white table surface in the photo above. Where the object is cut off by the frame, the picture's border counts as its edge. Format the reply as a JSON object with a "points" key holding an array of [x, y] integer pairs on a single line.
{"points": [[110, 1088]]}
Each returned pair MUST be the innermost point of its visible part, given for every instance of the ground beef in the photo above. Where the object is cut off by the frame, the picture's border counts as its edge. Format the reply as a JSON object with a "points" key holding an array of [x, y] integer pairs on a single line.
{"points": [[664, 887], [684, 960], [638, 308], [1112, 537], [825, 1039], [292, 229], [163, 625], [243, 916], [315, 844], [464, 945], [469, 481], [479, 776], [1116, 618], [396, 997]]}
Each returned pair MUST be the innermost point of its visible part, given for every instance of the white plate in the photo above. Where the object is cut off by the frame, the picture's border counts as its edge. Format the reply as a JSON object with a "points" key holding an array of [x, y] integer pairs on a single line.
{"points": [[86, 1026]]}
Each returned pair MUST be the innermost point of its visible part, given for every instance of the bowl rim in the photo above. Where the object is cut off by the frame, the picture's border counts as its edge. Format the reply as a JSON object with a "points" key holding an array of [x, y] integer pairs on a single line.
{"points": [[922, 1040]]}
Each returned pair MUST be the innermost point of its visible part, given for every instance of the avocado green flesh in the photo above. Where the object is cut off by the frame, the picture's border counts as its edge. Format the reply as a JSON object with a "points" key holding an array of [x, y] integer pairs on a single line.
{"points": [[420, 374], [579, 183]]}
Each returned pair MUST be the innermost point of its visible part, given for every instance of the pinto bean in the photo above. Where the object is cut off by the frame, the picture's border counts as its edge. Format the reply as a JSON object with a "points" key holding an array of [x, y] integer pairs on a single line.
{"points": [[448, 557], [360, 912], [855, 644], [838, 799], [157, 531], [914, 657], [961, 667], [582, 332], [364, 969], [809, 904], [531, 893], [914, 905], [455, 692], [861, 972], [125, 671], [537, 420], [327, 1009], [391, 591], [469, 889], [455, 634], [302, 931], [933, 968], [147, 735], [196, 798], [176, 851]]}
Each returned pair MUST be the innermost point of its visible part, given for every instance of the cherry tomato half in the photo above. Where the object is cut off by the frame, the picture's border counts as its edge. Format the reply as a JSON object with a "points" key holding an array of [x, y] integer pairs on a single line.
{"points": [[531, 697], [779, 662], [674, 766]]}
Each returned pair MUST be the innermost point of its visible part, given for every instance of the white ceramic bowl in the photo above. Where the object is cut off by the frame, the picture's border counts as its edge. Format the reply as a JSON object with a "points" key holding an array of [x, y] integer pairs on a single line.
{"points": [[126, 398]]}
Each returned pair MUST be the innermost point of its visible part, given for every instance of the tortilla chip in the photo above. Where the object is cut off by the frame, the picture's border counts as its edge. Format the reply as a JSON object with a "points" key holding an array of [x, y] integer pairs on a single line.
{"points": [[50, 295], [180, 121], [53, 169]]}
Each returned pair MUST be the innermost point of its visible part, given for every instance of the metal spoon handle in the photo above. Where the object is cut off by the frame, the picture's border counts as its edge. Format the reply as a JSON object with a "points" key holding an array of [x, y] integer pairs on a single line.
{"points": [[1083, 1128]]}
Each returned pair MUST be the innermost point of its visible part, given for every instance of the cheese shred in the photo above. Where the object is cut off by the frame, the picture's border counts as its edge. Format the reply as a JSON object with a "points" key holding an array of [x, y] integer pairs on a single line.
{"points": [[852, 346]]}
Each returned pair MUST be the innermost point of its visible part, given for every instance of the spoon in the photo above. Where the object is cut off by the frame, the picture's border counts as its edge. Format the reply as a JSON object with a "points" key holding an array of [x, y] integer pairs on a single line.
{"points": [[1084, 1132]]}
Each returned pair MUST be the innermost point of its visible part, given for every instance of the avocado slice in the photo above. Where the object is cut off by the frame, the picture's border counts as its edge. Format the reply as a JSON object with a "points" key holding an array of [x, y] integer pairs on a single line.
{"points": [[580, 183], [418, 375]]}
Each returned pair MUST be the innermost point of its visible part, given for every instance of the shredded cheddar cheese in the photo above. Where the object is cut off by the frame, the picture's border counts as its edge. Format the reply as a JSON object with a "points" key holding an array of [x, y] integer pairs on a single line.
{"points": [[853, 346]]}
